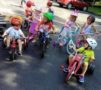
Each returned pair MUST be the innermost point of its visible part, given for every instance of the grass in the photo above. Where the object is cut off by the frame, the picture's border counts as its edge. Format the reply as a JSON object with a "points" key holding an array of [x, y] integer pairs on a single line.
{"points": [[95, 10]]}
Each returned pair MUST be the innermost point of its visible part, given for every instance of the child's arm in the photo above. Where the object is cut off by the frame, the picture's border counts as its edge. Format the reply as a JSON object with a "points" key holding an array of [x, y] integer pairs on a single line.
{"points": [[66, 22], [94, 29], [6, 32], [22, 34], [82, 28], [80, 50], [77, 24], [53, 28]]}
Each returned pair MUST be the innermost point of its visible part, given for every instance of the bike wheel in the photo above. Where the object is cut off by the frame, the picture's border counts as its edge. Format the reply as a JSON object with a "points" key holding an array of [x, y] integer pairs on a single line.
{"points": [[43, 49], [12, 55], [70, 72], [70, 51], [69, 47]]}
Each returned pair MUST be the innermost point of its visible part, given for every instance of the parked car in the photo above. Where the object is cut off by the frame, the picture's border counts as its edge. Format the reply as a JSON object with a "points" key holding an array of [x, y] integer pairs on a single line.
{"points": [[80, 4]]}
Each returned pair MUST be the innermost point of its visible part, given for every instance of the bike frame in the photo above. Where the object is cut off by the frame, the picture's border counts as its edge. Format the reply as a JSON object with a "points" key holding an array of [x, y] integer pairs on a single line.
{"points": [[71, 42], [74, 66]]}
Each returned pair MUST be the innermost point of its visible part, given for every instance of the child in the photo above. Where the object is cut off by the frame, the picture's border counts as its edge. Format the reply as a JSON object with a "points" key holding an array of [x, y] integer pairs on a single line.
{"points": [[49, 6], [72, 19], [36, 17], [46, 24], [22, 1], [87, 28], [28, 10], [69, 24], [15, 32], [87, 51], [28, 14]]}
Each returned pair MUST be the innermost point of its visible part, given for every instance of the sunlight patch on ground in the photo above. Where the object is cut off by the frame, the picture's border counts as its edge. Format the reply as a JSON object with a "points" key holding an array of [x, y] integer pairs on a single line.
{"points": [[9, 78], [75, 84], [7, 11], [43, 71]]}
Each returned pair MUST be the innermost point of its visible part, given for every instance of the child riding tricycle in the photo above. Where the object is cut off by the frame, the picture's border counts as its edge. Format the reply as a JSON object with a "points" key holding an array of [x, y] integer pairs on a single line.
{"points": [[83, 59]]}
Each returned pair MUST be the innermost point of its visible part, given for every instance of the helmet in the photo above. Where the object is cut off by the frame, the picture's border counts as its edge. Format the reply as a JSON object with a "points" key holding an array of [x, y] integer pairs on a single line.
{"points": [[49, 3], [29, 3], [75, 13], [16, 20], [48, 15], [92, 18], [92, 43], [38, 8]]}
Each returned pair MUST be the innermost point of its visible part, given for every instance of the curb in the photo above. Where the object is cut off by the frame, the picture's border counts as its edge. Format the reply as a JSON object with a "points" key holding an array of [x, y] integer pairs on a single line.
{"points": [[94, 14]]}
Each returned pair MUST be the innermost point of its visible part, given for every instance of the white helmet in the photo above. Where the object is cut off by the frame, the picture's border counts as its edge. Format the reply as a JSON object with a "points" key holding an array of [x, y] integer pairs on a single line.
{"points": [[92, 42], [38, 8]]}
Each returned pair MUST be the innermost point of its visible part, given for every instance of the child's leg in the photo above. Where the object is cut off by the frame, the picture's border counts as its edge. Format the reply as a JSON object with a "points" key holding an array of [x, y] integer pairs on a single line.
{"points": [[8, 41], [23, 1], [29, 34], [20, 45], [70, 59], [85, 67]]}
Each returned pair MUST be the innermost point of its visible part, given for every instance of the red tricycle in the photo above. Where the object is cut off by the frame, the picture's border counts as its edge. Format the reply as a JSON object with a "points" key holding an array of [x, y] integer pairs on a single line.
{"points": [[13, 49], [75, 66]]}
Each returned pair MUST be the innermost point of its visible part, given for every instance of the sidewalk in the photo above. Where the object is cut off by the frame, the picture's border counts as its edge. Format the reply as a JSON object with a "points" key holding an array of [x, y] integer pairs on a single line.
{"points": [[9, 8]]}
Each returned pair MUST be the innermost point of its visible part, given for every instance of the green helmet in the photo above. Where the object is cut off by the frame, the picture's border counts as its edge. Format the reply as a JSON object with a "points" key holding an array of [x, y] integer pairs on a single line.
{"points": [[48, 15]]}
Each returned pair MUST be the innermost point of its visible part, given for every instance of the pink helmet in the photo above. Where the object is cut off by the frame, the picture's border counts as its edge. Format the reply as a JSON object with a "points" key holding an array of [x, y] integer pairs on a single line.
{"points": [[75, 13]]}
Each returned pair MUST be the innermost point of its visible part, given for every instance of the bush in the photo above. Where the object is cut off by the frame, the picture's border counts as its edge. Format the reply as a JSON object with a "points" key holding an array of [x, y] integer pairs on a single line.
{"points": [[98, 3]]}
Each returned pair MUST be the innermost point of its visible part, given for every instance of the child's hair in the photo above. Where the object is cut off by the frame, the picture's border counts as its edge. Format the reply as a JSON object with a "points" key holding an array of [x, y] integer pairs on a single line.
{"points": [[92, 18], [49, 3]]}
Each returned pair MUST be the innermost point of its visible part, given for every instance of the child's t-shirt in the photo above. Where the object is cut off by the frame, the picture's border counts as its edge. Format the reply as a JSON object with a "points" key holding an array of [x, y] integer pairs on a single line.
{"points": [[36, 17], [14, 33], [47, 27], [69, 24], [87, 29], [88, 53]]}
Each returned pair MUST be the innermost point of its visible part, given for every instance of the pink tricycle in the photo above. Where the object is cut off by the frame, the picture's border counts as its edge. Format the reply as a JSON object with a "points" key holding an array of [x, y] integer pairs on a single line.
{"points": [[75, 66]]}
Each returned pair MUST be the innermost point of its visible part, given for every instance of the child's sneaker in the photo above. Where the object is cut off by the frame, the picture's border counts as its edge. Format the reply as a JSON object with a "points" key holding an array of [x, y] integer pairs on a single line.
{"points": [[20, 53], [81, 79]]}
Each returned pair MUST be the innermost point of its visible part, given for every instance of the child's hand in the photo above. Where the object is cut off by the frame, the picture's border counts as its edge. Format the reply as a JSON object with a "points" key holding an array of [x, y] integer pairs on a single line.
{"points": [[97, 33], [36, 30], [55, 31]]}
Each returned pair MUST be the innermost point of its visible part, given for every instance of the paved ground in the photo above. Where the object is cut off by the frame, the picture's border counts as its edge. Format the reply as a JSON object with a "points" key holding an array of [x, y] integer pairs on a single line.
{"points": [[30, 73]]}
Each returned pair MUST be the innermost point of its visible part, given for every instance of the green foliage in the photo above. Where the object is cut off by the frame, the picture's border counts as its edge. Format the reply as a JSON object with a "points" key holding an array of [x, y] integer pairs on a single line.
{"points": [[91, 0], [95, 10]]}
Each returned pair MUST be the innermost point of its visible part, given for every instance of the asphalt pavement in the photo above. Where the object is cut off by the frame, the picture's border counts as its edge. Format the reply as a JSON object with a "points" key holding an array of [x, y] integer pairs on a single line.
{"points": [[29, 72]]}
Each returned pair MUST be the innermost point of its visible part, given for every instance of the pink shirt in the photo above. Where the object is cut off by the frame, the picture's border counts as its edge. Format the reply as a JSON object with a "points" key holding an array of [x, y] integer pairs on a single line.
{"points": [[69, 24]]}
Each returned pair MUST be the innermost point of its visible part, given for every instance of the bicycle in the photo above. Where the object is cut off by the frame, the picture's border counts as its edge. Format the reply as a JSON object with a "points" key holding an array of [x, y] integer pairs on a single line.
{"points": [[13, 49], [65, 36], [43, 41]]}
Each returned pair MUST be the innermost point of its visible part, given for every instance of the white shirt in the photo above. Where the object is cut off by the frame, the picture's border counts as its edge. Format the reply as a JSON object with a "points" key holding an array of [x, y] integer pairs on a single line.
{"points": [[14, 33]]}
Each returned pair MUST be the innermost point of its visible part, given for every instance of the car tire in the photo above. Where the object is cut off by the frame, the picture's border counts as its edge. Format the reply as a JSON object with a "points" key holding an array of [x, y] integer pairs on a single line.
{"points": [[61, 5], [69, 6], [85, 8]]}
